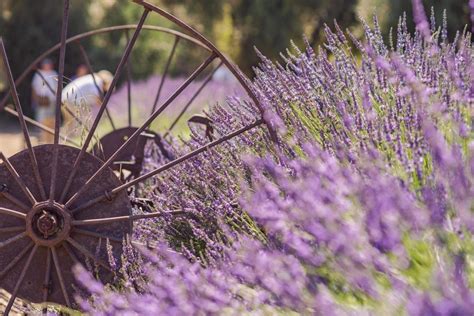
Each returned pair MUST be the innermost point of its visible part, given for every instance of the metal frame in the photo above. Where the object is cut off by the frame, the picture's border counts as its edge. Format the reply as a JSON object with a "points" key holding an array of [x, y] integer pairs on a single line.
{"points": [[77, 40], [43, 209]]}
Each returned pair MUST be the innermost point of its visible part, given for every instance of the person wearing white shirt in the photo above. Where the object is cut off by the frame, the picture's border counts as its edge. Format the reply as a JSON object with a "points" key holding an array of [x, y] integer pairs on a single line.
{"points": [[85, 92], [44, 86]]}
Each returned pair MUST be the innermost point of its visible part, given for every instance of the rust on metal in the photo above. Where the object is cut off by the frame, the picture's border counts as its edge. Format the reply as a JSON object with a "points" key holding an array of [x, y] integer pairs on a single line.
{"points": [[199, 119], [86, 35], [169, 165], [59, 90], [143, 127], [231, 66], [131, 159], [48, 227], [193, 98], [129, 84], [24, 128], [90, 70], [41, 126], [165, 74], [103, 107]]}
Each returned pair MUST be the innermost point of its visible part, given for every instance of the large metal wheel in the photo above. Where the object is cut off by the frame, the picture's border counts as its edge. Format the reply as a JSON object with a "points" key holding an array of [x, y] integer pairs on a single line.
{"points": [[59, 203], [129, 163]]}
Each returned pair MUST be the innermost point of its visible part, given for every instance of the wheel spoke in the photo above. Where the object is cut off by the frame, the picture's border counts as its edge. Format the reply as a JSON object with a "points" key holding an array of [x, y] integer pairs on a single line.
{"points": [[141, 129], [14, 229], [8, 212], [12, 240], [129, 84], [15, 260], [235, 71], [101, 236], [165, 74], [21, 118], [40, 126], [240, 77], [57, 125], [109, 117], [70, 253], [196, 94], [96, 235], [86, 59], [45, 82], [104, 104], [20, 281], [107, 220], [165, 167], [70, 112], [60, 275], [47, 275], [15, 201], [32, 66], [88, 254], [17, 178]]}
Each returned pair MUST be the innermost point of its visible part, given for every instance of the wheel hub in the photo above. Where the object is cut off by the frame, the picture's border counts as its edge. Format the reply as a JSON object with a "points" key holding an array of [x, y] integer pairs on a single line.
{"points": [[48, 224]]}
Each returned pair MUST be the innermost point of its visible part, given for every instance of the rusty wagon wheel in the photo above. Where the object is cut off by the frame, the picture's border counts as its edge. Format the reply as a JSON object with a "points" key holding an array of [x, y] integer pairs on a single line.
{"points": [[129, 162], [59, 203]]}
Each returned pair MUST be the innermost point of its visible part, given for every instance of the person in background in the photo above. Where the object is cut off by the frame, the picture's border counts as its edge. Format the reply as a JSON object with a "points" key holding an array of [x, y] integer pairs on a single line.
{"points": [[81, 71], [86, 91], [44, 86]]}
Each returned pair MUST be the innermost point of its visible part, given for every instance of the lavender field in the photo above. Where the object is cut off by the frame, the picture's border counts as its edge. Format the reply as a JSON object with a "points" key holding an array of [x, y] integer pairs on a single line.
{"points": [[364, 205]]}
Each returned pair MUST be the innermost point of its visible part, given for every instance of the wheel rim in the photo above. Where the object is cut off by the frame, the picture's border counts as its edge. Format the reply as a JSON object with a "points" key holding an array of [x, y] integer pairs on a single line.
{"points": [[63, 233]]}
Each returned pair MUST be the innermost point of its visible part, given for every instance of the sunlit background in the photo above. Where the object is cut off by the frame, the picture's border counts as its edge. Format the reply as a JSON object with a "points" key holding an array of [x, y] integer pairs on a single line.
{"points": [[236, 27]]}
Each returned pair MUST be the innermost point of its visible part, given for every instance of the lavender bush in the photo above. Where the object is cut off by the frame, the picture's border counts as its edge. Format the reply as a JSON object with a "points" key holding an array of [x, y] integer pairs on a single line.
{"points": [[364, 206]]}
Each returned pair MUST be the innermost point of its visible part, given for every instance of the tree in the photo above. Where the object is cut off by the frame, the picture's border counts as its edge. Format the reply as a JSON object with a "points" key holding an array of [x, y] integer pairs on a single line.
{"points": [[28, 28], [147, 56], [457, 13], [267, 24]]}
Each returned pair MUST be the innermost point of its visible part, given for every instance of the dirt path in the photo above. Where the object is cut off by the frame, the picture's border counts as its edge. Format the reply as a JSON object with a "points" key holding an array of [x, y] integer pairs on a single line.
{"points": [[12, 141]]}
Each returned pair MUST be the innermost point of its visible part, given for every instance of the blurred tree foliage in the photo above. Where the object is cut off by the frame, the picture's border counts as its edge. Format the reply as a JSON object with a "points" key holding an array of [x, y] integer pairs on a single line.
{"points": [[457, 12], [236, 26], [239, 25], [151, 50], [28, 28]]}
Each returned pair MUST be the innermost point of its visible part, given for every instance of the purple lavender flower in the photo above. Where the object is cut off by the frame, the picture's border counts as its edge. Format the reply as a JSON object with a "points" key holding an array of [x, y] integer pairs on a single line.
{"points": [[363, 207]]}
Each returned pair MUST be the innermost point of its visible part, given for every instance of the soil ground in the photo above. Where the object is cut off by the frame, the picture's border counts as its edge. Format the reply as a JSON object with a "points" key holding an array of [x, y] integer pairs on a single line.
{"points": [[12, 141]]}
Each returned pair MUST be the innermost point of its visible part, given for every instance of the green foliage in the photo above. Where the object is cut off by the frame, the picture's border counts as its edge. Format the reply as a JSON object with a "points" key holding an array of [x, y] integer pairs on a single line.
{"points": [[340, 288], [421, 264], [30, 27], [457, 12], [267, 24], [150, 50]]}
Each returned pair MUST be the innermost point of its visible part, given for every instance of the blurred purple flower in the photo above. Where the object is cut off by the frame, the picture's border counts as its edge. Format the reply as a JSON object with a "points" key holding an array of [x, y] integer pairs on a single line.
{"points": [[363, 207]]}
